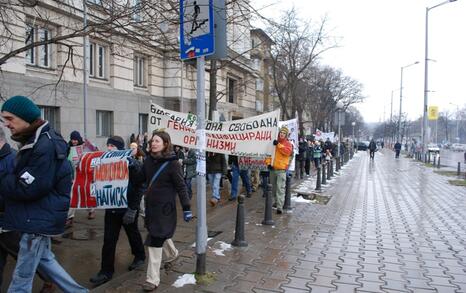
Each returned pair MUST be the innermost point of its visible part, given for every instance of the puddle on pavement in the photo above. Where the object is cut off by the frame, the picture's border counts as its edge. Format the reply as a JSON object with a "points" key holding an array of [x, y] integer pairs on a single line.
{"points": [[86, 234], [317, 198]]}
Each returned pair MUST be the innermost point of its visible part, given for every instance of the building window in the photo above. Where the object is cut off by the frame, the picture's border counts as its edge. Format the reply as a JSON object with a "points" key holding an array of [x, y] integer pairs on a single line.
{"points": [[139, 71], [52, 115], [39, 55], [259, 84], [97, 60], [143, 118], [231, 89], [104, 123]]}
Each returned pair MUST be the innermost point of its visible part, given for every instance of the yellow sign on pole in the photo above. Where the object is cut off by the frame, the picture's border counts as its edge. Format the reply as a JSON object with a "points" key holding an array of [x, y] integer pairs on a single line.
{"points": [[433, 112]]}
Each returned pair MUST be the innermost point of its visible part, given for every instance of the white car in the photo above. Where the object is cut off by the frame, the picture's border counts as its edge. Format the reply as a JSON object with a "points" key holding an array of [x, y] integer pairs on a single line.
{"points": [[432, 147], [458, 147]]}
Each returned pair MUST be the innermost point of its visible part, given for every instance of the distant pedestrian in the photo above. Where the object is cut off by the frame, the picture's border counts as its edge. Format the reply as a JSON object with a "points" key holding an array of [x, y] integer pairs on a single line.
{"points": [[372, 149], [164, 179], [301, 158], [37, 194], [127, 218], [283, 153], [397, 149], [317, 154], [309, 157]]}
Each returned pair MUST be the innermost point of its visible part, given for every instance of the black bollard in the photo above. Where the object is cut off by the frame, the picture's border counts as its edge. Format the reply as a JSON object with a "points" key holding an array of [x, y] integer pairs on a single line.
{"points": [[287, 203], [337, 164], [324, 177], [268, 206], [318, 184], [239, 230], [438, 162], [328, 170], [434, 161], [459, 169], [331, 167]]}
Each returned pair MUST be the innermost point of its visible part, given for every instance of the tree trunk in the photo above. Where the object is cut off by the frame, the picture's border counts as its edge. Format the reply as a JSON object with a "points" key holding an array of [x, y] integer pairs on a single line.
{"points": [[212, 88]]}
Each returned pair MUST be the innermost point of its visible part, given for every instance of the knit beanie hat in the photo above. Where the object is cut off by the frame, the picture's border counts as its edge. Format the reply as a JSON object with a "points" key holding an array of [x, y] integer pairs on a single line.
{"points": [[116, 141], [284, 129], [22, 107], [75, 135]]}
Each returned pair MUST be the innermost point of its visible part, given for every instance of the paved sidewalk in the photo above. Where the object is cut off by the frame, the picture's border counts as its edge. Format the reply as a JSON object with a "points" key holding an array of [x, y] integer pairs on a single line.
{"points": [[392, 225]]}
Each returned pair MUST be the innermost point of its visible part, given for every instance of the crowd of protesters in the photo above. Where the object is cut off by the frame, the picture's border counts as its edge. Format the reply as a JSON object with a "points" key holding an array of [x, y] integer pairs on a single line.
{"points": [[36, 180]]}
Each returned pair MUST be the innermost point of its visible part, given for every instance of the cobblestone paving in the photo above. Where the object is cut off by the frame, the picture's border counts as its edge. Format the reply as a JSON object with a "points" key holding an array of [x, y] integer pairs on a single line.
{"points": [[391, 226]]}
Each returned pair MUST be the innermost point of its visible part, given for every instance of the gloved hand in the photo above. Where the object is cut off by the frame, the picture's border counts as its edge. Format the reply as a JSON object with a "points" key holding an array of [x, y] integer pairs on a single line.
{"points": [[129, 216], [187, 216], [270, 167], [275, 142], [131, 162]]}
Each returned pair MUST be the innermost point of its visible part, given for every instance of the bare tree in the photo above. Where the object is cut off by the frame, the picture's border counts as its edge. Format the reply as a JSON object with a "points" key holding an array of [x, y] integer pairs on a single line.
{"points": [[297, 46]]}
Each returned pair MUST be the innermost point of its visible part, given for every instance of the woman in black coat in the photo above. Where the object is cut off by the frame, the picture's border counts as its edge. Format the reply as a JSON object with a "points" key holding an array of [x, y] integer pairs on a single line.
{"points": [[160, 201]]}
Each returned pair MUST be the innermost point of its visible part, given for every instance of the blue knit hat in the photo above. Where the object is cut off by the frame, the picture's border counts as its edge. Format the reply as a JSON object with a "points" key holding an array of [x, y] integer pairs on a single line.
{"points": [[22, 107]]}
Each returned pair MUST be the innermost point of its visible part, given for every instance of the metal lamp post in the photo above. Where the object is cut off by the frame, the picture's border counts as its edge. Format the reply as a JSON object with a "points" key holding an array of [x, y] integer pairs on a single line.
{"points": [[353, 124], [401, 98], [339, 108], [426, 72]]}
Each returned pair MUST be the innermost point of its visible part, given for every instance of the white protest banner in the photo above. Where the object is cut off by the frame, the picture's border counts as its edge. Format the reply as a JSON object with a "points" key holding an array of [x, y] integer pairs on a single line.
{"points": [[251, 136], [101, 180], [319, 135], [292, 126]]}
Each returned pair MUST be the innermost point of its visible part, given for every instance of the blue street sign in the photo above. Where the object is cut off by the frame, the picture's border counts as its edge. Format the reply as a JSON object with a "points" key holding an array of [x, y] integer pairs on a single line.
{"points": [[196, 28]]}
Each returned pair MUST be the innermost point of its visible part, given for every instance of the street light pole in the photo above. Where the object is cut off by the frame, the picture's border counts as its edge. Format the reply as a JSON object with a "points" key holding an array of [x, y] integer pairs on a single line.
{"points": [[339, 107], [401, 98], [426, 72]]}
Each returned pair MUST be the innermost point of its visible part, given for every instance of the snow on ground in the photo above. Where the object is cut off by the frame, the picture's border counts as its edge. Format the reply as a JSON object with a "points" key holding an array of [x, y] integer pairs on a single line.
{"points": [[185, 279]]}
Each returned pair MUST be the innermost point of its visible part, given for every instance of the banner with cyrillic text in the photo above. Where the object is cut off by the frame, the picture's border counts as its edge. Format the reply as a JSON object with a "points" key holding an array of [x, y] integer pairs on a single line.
{"points": [[319, 135], [251, 136], [252, 163], [101, 180]]}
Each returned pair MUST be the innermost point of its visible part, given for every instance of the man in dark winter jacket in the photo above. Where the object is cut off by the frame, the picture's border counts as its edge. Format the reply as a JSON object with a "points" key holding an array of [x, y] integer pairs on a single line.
{"points": [[372, 149], [37, 194], [397, 147], [9, 240], [126, 217]]}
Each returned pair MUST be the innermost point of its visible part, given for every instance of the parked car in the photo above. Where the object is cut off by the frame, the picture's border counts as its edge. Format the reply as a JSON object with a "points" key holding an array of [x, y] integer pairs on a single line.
{"points": [[363, 145], [433, 148], [458, 147]]}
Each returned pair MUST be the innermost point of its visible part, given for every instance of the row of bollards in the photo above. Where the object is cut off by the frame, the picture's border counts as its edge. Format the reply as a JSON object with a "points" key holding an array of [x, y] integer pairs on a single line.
{"points": [[324, 172]]}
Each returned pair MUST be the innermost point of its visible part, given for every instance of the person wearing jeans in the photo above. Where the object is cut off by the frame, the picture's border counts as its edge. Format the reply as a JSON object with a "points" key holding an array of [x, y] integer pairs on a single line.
{"points": [[37, 194], [283, 153], [216, 168], [235, 174]]}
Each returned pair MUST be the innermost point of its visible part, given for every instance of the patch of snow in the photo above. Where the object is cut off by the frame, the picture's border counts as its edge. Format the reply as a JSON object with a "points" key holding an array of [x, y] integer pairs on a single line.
{"points": [[223, 247], [300, 200], [185, 279], [194, 244]]}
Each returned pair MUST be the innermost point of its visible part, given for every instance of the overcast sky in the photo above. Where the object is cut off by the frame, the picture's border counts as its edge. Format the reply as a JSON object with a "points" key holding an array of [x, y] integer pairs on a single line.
{"points": [[378, 37]]}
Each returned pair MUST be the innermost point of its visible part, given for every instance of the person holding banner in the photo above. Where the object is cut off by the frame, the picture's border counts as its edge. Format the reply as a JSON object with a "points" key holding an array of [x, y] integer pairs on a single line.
{"points": [[164, 178], [122, 217], [37, 194], [283, 153]]}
